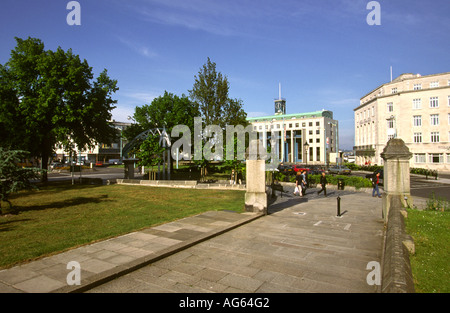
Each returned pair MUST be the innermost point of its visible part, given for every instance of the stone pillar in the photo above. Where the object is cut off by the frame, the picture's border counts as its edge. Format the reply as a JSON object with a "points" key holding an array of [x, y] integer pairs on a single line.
{"points": [[396, 178], [129, 168], [255, 197]]}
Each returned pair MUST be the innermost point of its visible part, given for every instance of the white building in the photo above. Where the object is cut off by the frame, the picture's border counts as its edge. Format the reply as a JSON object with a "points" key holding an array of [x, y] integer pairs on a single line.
{"points": [[100, 152], [412, 107], [310, 138]]}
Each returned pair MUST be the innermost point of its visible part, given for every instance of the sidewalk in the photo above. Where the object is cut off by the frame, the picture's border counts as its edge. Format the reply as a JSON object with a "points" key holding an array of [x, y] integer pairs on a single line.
{"points": [[102, 261], [301, 246]]}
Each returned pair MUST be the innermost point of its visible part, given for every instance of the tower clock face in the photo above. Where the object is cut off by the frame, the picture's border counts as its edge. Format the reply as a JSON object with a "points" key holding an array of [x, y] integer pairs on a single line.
{"points": [[277, 107]]}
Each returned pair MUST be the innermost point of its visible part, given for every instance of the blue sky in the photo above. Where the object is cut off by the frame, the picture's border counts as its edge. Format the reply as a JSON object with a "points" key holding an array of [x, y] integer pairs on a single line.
{"points": [[323, 52]]}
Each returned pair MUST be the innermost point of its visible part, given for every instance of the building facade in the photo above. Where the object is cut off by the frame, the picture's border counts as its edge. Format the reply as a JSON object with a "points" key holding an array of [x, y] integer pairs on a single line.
{"points": [[308, 138], [412, 107], [100, 152]]}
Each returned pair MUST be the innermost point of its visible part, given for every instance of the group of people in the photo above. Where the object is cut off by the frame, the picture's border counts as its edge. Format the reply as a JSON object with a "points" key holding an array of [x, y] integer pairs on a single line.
{"points": [[302, 183]]}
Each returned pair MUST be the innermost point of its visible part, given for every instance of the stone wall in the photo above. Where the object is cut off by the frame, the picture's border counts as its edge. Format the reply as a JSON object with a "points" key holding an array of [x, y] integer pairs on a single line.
{"points": [[396, 267]]}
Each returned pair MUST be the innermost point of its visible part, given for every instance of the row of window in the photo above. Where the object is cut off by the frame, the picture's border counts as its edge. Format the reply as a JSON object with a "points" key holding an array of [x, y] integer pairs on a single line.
{"points": [[417, 103], [432, 158], [289, 125], [434, 137], [434, 120], [434, 84]]}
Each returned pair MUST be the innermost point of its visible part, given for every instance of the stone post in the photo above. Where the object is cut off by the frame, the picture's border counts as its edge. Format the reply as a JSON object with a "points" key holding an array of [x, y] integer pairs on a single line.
{"points": [[255, 197], [396, 179], [129, 168]]}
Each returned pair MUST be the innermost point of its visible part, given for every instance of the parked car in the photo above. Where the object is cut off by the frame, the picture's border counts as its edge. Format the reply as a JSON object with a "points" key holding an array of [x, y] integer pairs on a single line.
{"points": [[285, 168], [299, 168], [56, 165], [99, 163], [339, 170]]}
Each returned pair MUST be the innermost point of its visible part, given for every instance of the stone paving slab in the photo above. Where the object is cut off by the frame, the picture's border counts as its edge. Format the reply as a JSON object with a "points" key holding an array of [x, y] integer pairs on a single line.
{"points": [[301, 246], [105, 260]]}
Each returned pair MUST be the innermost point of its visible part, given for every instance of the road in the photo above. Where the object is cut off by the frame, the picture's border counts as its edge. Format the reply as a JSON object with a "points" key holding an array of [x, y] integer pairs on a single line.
{"points": [[420, 186], [423, 188], [105, 173]]}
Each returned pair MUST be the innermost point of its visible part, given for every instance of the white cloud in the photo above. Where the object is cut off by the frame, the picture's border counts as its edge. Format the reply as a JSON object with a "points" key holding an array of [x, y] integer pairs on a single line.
{"points": [[138, 48]]}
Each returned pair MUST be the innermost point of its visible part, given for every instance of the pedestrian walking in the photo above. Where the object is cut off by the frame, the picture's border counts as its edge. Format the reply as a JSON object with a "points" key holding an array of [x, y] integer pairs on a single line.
{"points": [[375, 182], [323, 182], [299, 183]]}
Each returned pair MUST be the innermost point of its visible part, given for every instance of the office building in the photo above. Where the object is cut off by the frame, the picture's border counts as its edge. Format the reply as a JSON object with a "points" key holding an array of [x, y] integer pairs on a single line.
{"points": [[412, 107]]}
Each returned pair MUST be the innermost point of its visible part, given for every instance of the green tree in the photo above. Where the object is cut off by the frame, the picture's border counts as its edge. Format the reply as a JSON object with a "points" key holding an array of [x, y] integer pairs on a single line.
{"points": [[150, 151], [210, 91], [49, 97], [12, 177], [166, 112]]}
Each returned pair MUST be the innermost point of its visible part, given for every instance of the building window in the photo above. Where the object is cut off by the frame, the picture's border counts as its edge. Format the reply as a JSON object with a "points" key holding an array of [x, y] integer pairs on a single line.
{"points": [[436, 158], [310, 124], [297, 125], [317, 140], [419, 158], [417, 137], [390, 107], [317, 123], [303, 124], [417, 104], [434, 102], [310, 132], [434, 119], [417, 120], [434, 84], [390, 123], [318, 132], [434, 136], [448, 101], [417, 86], [318, 154], [290, 125]]}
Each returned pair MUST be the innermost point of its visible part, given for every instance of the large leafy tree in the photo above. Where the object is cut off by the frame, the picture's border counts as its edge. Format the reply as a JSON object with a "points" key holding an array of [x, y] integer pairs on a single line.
{"points": [[49, 97], [165, 111], [210, 91]]}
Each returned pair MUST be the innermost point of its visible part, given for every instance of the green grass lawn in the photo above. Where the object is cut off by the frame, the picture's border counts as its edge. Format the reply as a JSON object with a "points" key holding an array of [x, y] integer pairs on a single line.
{"points": [[430, 263], [62, 216]]}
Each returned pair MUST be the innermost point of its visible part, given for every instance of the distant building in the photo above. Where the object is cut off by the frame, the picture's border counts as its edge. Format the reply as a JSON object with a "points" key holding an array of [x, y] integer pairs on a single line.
{"points": [[412, 107], [310, 138], [100, 152]]}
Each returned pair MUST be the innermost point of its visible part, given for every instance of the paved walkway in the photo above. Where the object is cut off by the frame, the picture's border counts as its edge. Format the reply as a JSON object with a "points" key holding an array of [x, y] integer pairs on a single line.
{"points": [[301, 246]]}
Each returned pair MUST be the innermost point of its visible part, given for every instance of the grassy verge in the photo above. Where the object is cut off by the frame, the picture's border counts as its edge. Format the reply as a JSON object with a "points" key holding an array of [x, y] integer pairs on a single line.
{"points": [[60, 217], [430, 263]]}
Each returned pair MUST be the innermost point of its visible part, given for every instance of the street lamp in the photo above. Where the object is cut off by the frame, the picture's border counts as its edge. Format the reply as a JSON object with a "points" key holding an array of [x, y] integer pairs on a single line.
{"points": [[306, 145]]}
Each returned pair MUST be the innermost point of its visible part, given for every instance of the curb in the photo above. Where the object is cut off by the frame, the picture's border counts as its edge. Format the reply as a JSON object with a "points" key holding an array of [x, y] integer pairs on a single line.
{"points": [[108, 275]]}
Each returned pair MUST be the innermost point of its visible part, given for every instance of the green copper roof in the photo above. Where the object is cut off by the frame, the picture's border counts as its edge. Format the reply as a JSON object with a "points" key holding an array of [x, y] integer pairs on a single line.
{"points": [[323, 113]]}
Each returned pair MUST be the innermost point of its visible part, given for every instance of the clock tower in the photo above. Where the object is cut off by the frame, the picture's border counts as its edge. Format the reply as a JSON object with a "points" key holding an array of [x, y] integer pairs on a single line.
{"points": [[280, 104]]}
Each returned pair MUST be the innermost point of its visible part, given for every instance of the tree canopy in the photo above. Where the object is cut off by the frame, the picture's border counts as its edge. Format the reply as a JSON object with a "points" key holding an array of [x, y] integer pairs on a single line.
{"points": [[49, 97], [210, 91]]}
